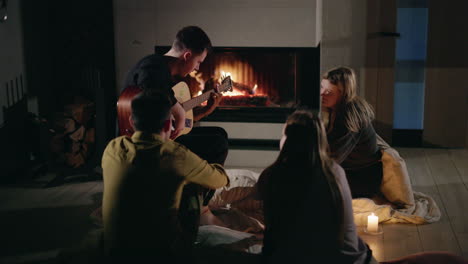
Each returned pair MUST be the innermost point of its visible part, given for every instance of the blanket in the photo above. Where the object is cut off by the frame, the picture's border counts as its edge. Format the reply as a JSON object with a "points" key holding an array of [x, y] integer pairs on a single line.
{"points": [[212, 236], [235, 205], [401, 203], [424, 211]]}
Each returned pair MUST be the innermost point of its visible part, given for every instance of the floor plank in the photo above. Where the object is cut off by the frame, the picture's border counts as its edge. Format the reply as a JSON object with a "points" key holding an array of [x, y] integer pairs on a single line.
{"points": [[439, 235], [460, 159], [375, 243], [400, 240], [453, 193]]}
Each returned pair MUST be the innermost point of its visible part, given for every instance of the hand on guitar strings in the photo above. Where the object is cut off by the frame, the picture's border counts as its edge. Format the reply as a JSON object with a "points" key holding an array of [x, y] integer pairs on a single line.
{"points": [[213, 102]]}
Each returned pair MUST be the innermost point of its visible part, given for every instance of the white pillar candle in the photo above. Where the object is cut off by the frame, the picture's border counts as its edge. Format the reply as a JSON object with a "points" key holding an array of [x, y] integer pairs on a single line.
{"points": [[372, 223]]}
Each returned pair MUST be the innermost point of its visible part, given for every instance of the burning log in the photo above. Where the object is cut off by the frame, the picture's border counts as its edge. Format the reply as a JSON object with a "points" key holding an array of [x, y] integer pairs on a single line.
{"points": [[243, 95], [243, 87], [245, 100]]}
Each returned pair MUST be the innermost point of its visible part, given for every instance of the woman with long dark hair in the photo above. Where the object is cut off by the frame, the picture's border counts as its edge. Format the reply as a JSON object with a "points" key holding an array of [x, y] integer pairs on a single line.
{"points": [[307, 202]]}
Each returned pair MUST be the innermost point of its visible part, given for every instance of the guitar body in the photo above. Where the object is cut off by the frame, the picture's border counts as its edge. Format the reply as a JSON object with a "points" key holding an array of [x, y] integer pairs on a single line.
{"points": [[124, 110], [181, 93], [124, 107]]}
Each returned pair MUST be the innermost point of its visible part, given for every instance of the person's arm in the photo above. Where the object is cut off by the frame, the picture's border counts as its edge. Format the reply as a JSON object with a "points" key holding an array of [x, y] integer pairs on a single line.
{"points": [[199, 171], [211, 176], [260, 187], [213, 102], [178, 113], [343, 146]]}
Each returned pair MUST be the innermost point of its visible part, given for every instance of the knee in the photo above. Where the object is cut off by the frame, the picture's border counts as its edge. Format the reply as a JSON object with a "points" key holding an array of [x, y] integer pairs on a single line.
{"points": [[220, 131], [220, 142]]}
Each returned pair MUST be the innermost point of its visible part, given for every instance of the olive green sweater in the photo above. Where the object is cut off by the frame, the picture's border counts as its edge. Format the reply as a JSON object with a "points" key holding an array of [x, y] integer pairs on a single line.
{"points": [[143, 181]]}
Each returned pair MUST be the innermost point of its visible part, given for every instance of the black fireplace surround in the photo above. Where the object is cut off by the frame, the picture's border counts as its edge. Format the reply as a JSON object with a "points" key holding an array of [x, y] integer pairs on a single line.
{"points": [[290, 75]]}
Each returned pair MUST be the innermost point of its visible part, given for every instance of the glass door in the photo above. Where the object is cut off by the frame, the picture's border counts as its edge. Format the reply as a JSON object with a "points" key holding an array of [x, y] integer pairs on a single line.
{"points": [[411, 50]]}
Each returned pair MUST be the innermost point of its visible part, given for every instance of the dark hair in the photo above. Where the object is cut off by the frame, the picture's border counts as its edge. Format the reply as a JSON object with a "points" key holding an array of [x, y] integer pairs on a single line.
{"points": [[192, 38], [150, 109], [302, 175]]}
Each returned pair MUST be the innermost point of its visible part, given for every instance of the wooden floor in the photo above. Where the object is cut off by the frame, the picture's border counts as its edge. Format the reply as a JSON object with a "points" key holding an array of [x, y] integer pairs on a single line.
{"points": [[443, 175], [37, 222]]}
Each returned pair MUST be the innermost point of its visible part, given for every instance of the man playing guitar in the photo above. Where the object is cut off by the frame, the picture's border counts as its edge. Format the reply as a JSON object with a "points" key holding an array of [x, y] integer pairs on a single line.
{"points": [[188, 51]]}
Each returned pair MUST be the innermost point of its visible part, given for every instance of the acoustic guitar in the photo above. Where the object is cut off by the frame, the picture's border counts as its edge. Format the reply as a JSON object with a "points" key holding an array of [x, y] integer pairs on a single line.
{"points": [[182, 94]]}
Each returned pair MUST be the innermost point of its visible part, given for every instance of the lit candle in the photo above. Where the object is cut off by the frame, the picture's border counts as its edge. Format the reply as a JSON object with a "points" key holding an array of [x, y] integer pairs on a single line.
{"points": [[372, 223]]}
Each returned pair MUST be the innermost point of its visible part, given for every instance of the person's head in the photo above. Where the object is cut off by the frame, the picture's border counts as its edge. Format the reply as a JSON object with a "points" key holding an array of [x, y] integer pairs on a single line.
{"points": [[191, 46], [338, 90], [150, 112], [338, 86], [304, 138]]}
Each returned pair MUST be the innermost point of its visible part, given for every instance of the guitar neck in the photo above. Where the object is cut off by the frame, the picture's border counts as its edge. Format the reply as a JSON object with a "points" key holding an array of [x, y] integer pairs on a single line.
{"points": [[190, 104]]}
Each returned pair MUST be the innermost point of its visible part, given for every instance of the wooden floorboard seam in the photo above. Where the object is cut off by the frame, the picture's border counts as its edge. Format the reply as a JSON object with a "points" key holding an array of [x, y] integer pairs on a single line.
{"points": [[426, 158], [459, 172]]}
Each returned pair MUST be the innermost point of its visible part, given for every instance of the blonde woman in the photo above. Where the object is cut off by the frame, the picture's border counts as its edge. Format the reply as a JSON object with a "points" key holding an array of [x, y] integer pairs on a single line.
{"points": [[352, 138]]}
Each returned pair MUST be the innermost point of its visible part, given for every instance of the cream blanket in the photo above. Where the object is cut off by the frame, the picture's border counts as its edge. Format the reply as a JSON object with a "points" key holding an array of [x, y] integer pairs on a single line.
{"points": [[403, 205], [235, 204]]}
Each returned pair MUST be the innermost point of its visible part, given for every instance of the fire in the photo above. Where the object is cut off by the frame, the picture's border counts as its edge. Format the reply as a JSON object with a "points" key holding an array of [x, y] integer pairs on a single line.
{"points": [[239, 88], [236, 92], [226, 74], [243, 92]]}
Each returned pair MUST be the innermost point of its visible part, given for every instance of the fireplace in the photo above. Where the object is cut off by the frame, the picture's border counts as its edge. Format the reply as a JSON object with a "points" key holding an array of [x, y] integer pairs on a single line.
{"points": [[268, 83]]}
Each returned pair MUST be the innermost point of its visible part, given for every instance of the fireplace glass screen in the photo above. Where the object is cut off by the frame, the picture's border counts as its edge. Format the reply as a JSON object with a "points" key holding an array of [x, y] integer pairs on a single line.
{"points": [[267, 82], [259, 79]]}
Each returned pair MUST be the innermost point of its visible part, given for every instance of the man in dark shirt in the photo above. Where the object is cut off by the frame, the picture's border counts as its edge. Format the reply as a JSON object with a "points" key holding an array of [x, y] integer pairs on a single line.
{"points": [[188, 51]]}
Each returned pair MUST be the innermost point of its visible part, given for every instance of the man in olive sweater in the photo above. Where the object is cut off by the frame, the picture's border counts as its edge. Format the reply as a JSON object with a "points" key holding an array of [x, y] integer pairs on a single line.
{"points": [[144, 176]]}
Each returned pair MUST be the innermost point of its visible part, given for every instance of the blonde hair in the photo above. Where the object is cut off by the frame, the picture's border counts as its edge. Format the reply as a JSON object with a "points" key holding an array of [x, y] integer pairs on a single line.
{"points": [[356, 111]]}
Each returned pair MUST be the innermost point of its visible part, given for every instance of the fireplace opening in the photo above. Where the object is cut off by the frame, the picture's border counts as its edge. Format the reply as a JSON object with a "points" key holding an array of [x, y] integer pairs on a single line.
{"points": [[268, 83], [258, 79]]}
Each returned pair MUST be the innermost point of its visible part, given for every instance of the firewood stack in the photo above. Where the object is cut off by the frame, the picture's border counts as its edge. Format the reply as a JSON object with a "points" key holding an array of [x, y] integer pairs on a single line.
{"points": [[74, 133]]}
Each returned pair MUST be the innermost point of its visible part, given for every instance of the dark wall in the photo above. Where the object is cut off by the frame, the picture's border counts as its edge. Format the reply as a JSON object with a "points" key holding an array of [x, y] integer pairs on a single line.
{"points": [[69, 52], [446, 91]]}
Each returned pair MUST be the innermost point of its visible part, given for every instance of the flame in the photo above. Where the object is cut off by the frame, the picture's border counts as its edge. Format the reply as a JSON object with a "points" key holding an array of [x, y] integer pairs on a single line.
{"points": [[226, 74], [199, 77]]}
